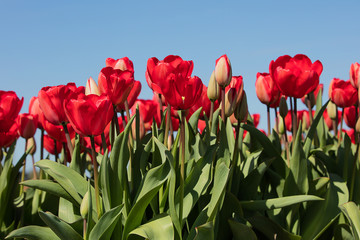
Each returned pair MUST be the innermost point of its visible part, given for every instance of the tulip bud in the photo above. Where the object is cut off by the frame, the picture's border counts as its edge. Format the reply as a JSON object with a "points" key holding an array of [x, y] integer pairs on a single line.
{"points": [[310, 99], [91, 87], [331, 110], [283, 109], [223, 72], [281, 127], [230, 102], [30, 143], [213, 91], [241, 112], [357, 126], [84, 207]]}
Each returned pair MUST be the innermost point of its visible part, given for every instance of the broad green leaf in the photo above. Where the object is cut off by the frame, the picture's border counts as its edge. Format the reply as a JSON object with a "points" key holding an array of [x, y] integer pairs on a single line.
{"points": [[241, 231], [105, 182], [33, 233], [62, 229], [319, 214], [260, 205], [50, 187], [106, 224], [194, 119], [76, 158], [205, 232], [352, 213], [160, 228]]}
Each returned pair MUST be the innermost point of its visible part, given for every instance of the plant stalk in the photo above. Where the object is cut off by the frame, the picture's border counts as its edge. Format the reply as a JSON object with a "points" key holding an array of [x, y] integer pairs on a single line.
{"points": [[96, 177]]}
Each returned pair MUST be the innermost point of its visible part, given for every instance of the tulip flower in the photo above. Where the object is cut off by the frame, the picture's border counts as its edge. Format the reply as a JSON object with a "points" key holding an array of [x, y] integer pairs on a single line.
{"points": [[27, 125], [8, 137], [34, 109], [238, 85], [57, 132], [355, 75], [124, 64], [158, 71], [266, 89], [147, 110], [116, 84], [91, 87], [133, 95], [10, 106], [295, 76], [223, 71], [256, 119], [49, 145], [342, 93], [89, 114], [350, 116], [213, 90]]}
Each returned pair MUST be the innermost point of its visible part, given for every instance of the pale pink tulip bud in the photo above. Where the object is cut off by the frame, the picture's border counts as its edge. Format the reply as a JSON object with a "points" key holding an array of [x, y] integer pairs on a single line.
{"points": [[91, 87], [213, 90], [223, 72]]}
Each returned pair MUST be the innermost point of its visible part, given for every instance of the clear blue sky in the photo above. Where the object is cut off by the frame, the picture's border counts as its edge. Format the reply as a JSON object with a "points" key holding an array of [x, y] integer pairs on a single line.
{"points": [[46, 43]]}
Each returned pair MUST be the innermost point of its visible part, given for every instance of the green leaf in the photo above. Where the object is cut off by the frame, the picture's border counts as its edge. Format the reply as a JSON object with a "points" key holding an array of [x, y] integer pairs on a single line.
{"points": [[241, 231], [105, 182], [63, 230], [159, 228], [50, 187], [261, 205], [33, 233], [352, 213], [205, 232], [194, 119], [106, 224]]}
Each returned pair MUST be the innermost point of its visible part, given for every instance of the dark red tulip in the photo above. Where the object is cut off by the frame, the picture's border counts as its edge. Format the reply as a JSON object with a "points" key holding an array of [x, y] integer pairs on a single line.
{"points": [[89, 114], [8, 137], [49, 145], [133, 95], [10, 106], [116, 84], [147, 110], [27, 125], [266, 89], [295, 76], [34, 109], [342, 93], [158, 71], [124, 64], [350, 116], [355, 75], [51, 101]]}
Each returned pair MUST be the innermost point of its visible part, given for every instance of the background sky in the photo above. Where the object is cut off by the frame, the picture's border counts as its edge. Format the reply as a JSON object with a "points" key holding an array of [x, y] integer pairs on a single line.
{"points": [[47, 43]]}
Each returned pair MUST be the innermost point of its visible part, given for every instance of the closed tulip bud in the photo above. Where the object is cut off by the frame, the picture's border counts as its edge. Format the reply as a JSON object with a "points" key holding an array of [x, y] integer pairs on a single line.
{"points": [[223, 72], [241, 112], [357, 126], [84, 207], [230, 102], [281, 127], [283, 108], [31, 144], [213, 91], [331, 110], [310, 99], [91, 87]]}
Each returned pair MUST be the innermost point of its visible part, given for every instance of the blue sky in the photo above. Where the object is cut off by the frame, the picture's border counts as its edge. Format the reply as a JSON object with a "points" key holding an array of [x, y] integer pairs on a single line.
{"points": [[46, 43]]}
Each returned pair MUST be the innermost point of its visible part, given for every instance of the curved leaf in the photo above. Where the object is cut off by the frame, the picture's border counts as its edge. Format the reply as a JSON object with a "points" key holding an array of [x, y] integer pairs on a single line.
{"points": [[33, 233], [106, 224], [352, 213]]}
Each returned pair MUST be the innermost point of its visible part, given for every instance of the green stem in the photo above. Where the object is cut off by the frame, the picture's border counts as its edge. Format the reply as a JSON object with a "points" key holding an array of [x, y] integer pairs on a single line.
{"points": [[235, 155], [268, 120], [182, 165], [68, 140], [96, 178], [211, 114], [357, 158], [42, 145], [167, 125], [223, 104], [341, 126]]}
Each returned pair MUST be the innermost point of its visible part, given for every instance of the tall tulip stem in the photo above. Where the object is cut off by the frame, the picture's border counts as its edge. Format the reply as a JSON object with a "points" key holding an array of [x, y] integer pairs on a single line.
{"points": [[286, 145], [341, 125], [65, 154], [161, 107], [352, 184], [116, 122], [268, 119], [223, 104], [235, 154], [23, 172], [96, 176], [276, 121], [182, 164], [42, 145], [56, 152], [68, 140], [167, 125], [211, 113], [295, 120]]}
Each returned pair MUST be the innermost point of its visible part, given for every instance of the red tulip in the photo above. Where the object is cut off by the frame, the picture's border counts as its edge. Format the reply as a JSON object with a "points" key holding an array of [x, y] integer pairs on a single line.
{"points": [[158, 71], [297, 76], [10, 106], [355, 75], [27, 125], [180, 91], [116, 84], [49, 145], [238, 85], [8, 137], [201, 125], [34, 109], [124, 64], [133, 95], [57, 131], [350, 116], [342, 93], [256, 119], [266, 89], [351, 134], [89, 114], [223, 72], [147, 110], [51, 101]]}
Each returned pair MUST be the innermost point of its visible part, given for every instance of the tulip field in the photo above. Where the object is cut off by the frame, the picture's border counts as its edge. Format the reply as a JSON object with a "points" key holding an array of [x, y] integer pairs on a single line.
{"points": [[190, 163]]}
